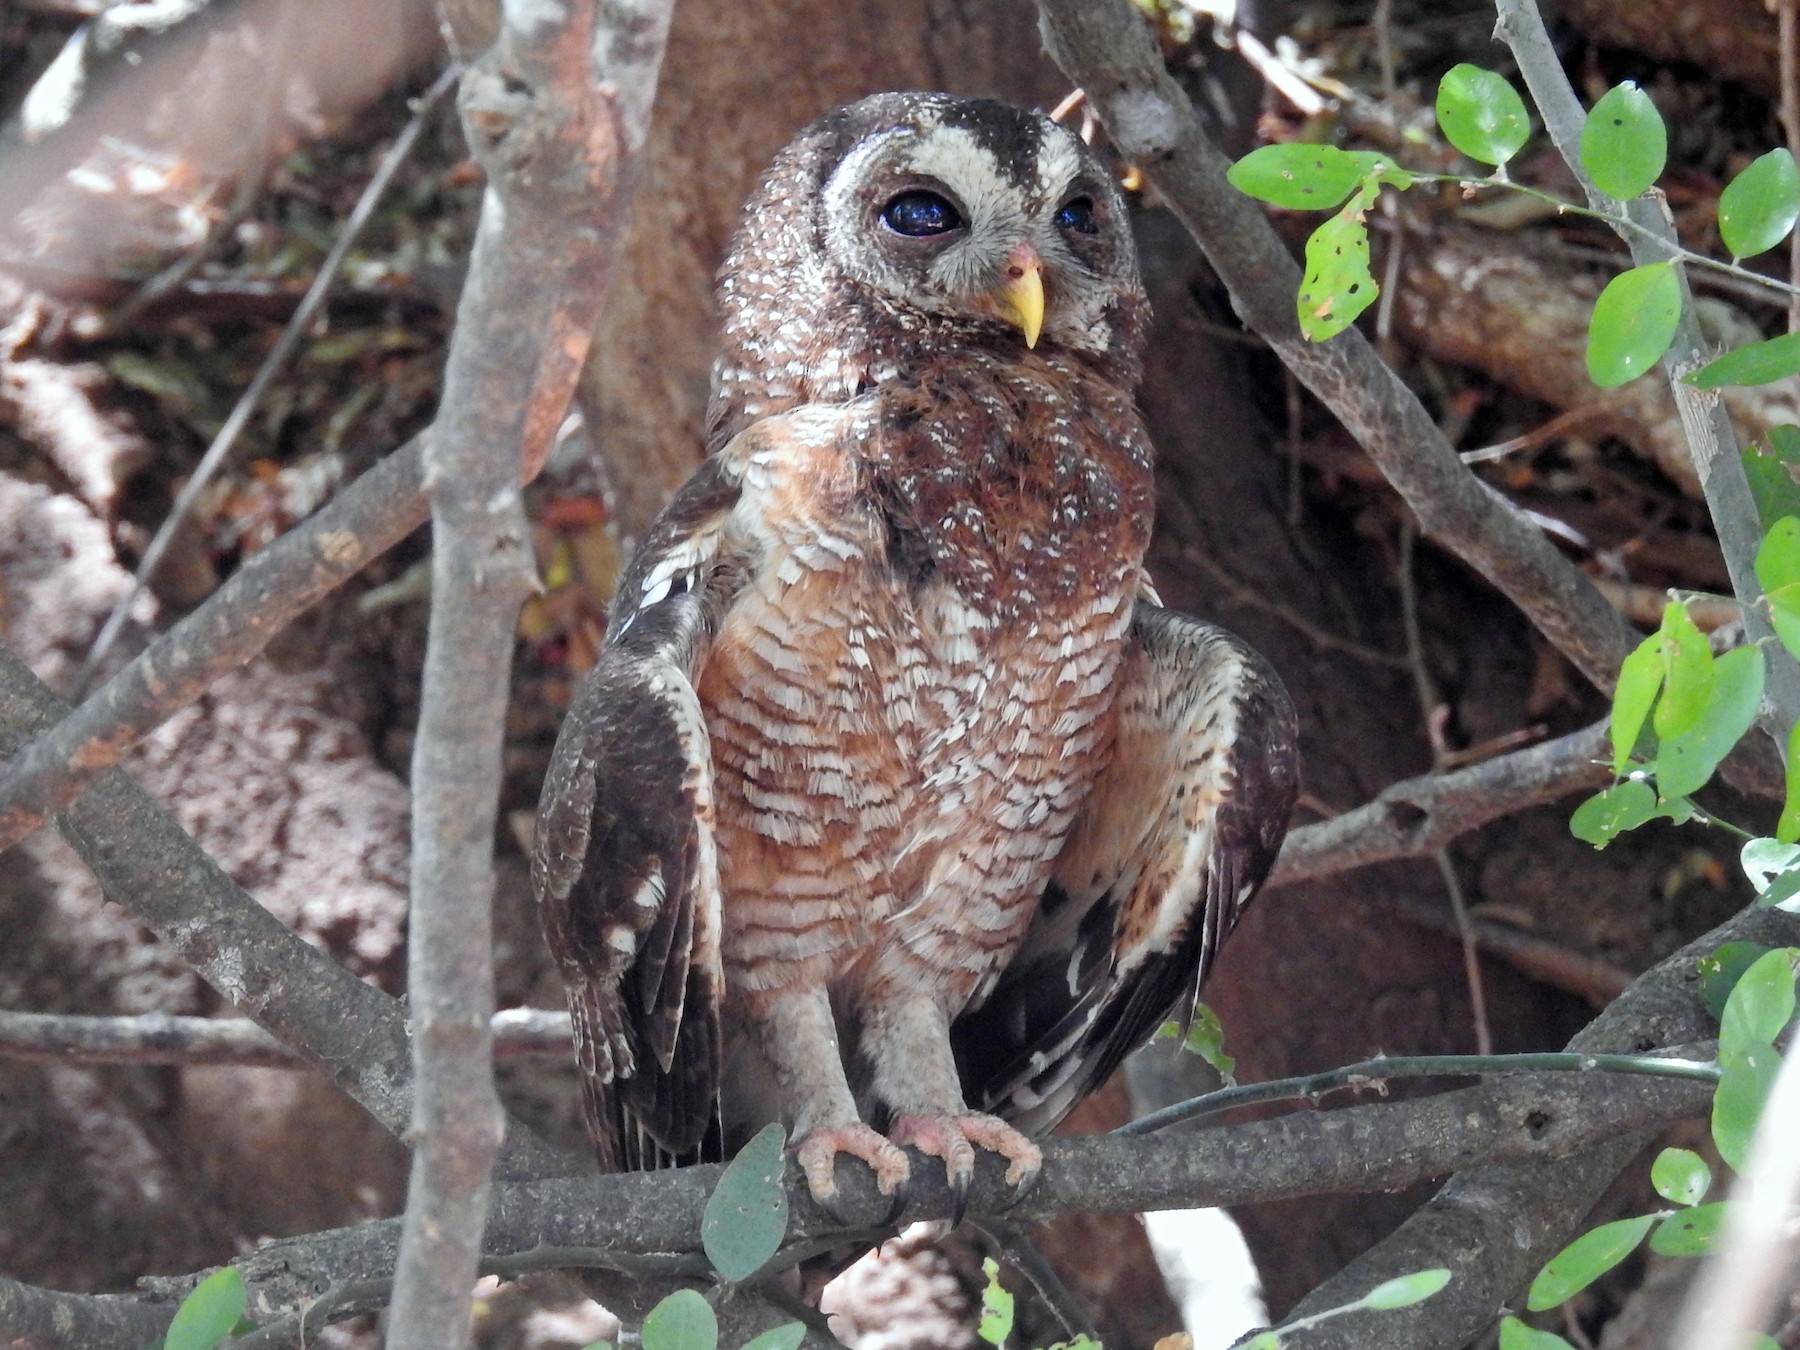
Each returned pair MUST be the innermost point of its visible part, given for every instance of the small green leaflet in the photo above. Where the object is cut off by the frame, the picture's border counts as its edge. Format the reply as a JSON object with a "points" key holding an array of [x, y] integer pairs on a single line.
{"points": [[1481, 114], [1760, 205], [1515, 1335], [209, 1314], [1405, 1290], [1633, 324], [1689, 1233], [1685, 763], [996, 1307], [1772, 866], [1687, 663], [1680, 1176], [1640, 680], [1206, 1038], [1337, 285], [1606, 815], [1761, 1003], [747, 1214], [1585, 1260], [1772, 470], [1297, 177], [682, 1321], [1624, 143], [1756, 363], [1787, 829], [1744, 1086], [1778, 568], [1722, 968]]}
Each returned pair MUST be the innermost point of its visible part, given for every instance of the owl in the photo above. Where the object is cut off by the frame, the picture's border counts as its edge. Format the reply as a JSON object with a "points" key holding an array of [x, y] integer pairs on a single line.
{"points": [[897, 809]]}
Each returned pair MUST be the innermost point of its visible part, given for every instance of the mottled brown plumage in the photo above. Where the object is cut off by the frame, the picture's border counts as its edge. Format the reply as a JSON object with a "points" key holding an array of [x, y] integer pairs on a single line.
{"points": [[895, 799]]}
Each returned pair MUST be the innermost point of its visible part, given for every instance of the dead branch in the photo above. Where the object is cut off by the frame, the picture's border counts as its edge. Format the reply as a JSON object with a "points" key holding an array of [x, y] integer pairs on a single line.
{"points": [[1416, 817], [161, 1038], [553, 111]]}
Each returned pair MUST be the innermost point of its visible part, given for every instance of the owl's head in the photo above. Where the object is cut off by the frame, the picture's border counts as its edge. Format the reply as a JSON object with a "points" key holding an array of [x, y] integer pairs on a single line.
{"points": [[927, 214]]}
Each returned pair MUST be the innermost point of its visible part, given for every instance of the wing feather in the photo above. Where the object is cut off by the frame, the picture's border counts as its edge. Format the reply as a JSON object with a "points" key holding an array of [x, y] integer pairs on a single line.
{"points": [[1174, 839], [624, 863]]}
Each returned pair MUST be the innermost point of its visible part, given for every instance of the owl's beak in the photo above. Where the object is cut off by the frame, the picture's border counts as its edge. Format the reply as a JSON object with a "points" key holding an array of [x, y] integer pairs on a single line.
{"points": [[1020, 296]]}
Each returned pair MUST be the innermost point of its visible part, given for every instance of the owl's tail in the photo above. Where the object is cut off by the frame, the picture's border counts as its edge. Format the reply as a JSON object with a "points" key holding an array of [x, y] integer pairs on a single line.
{"points": [[604, 1054]]}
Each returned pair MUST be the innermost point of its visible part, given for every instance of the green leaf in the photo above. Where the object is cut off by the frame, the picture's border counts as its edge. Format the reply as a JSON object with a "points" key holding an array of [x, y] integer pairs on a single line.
{"points": [[1722, 968], [209, 1314], [787, 1336], [1689, 1233], [1761, 1003], [1787, 829], [1585, 1260], [1633, 324], [1606, 815], [747, 1214], [1640, 680], [996, 1307], [1774, 474], [1298, 177], [1684, 763], [1760, 205], [682, 1321], [1206, 1038], [1744, 1086], [1264, 1340], [1515, 1335], [1337, 285], [1778, 556], [1755, 363], [1765, 859], [1481, 114], [1681, 1176], [1405, 1290], [1623, 142], [1687, 673]]}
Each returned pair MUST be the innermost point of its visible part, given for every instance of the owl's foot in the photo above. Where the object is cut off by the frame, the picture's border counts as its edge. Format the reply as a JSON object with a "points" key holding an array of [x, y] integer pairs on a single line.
{"points": [[818, 1150], [954, 1139]]}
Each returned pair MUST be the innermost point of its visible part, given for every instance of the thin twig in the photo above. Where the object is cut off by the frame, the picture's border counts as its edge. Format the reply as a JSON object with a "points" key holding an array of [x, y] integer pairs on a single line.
{"points": [[271, 366]]}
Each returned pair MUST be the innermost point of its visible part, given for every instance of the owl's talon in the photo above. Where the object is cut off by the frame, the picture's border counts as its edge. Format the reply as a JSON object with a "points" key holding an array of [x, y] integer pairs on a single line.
{"points": [[954, 1138], [959, 1197], [818, 1150]]}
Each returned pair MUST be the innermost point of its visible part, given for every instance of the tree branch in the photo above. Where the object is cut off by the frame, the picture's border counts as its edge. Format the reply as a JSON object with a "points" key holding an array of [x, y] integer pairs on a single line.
{"points": [[159, 1038], [553, 111], [49, 1319], [1105, 47], [1495, 1226], [1416, 817]]}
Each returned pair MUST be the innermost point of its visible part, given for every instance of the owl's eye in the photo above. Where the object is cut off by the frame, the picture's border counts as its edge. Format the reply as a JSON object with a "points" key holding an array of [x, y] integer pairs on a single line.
{"points": [[920, 214], [1078, 215]]}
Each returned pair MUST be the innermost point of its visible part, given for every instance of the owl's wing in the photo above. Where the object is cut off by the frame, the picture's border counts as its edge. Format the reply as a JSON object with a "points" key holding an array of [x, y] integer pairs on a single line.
{"points": [[1178, 833], [624, 864]]}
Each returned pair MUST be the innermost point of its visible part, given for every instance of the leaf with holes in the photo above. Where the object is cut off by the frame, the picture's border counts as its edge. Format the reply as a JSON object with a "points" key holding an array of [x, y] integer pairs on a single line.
{"points": [[682, 1321], [1515, 1335], [1689, 1233], [1633, 324], [209, 1314], [1684, 763], [1606, 815], [1680, 1176], [747, 1214], [1381, 169], [1481, 114], [1752, 364], [1585, 1260], [1758, 207], [996, 1307], [1623, 142], [1337, 285], [1405, 1290], [1298, 177]]}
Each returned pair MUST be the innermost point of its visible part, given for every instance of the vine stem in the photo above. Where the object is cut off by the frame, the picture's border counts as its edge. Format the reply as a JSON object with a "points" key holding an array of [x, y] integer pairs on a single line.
{"points": [[1376, 1073]]}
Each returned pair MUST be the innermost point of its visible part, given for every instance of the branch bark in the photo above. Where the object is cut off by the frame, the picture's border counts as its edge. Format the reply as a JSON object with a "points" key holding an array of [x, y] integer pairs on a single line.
{"points": [[553, 112]]}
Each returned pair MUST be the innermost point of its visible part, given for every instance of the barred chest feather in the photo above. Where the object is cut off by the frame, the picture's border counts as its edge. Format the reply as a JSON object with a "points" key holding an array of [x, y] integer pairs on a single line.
{"points": [[912, 696]]}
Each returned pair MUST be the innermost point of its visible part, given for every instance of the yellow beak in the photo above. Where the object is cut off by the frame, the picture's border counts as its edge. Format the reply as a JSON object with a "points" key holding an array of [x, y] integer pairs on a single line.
{"points": [[1019, 299]]}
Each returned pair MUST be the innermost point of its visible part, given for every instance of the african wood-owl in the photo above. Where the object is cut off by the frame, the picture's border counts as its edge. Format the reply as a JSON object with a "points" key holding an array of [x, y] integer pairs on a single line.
{"points": [[897, 808]]}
